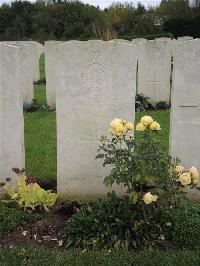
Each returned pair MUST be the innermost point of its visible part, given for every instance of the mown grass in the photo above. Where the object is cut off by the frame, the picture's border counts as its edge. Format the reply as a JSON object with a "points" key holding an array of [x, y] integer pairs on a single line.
{"points": [[40, 142], [40, 145], [40, 93], [33, 256], [42, 66]]}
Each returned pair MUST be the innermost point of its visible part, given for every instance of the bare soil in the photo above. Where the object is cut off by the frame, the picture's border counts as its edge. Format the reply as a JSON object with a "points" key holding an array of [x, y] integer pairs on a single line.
{"points": [[46, 232]]}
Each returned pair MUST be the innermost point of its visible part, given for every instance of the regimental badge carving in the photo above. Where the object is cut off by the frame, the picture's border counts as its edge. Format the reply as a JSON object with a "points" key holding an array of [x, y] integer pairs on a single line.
{"points": [[93, 77]]}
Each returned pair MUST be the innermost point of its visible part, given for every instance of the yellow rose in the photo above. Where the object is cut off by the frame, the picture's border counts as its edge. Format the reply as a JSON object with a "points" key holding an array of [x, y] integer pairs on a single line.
{"points": [[155, 126], [178, 169], [129, 126], [115, 122], [146, 120], [116, 127], [119, 128], [185, 178], [148, 198], [194, 175], [140, 127]]}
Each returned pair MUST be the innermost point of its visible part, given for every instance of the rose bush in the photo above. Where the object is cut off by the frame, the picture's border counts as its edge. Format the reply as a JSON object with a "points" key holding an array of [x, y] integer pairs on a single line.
{"points": [[153, 185], [152, 180]]}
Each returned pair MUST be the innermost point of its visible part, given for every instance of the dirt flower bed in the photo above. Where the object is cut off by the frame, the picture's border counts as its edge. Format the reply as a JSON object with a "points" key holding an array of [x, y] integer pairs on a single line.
{"points": [[46, 232]]}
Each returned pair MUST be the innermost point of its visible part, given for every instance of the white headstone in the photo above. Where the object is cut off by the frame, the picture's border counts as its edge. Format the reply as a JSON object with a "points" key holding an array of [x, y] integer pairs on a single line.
{"points": [[120, 40], [26, 75], [138, 40], [185, 113], [35, 57], [96, 83], [51, 80], [11, 112], [185, 38], [154, 69]]}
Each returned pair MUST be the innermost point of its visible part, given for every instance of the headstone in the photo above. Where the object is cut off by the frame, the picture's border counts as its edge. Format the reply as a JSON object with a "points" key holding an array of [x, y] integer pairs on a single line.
{"points": [[11, 112], [26, 75], [154, 69], [40, 48], [138, 40], [35, 57], [120, 40], [51, 80], [96, 83], [185, 38], [185, 113]]}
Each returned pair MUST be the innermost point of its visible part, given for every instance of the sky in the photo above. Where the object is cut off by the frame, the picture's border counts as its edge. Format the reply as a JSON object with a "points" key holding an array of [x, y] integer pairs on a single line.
{"points": [[105, 3]]}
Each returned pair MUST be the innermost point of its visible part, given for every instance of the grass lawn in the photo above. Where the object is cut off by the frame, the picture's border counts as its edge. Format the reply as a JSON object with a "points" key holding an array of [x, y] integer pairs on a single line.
{"points": [[116, 257], [40, 136]]}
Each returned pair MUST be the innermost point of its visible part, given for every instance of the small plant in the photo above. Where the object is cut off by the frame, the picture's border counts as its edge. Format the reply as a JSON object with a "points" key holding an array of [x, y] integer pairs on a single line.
{"points": [[27, 193], [34, 106], [142, 103], [153, 188], [161, 106]]}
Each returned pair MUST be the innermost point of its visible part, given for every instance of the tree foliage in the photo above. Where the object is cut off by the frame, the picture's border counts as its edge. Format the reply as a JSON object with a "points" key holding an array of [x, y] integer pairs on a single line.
{"points": [[68, 19]]}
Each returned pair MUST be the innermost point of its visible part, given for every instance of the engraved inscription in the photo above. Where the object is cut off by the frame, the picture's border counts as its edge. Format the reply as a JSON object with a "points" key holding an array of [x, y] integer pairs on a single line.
{"points": [[195, 121]]}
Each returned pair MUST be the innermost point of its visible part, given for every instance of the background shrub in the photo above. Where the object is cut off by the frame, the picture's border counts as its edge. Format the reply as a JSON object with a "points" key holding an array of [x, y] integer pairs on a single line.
{"points": [[142, 103], [185, 229], [161, 106], [35, 106]]}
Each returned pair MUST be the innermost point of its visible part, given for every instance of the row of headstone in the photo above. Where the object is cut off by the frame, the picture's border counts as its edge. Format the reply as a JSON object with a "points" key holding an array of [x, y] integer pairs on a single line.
{"points": [[29, 66], [154, 67], [17, 73], [96, 82]]}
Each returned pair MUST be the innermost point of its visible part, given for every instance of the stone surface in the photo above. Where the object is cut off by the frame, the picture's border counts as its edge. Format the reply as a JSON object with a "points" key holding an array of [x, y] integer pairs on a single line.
{"points": [[120, 40], [185, 38], [51, 80], [96, 83], [11, 112], [36, 52], [138, 40], [154, 69], [185, 113], [26, 75]]}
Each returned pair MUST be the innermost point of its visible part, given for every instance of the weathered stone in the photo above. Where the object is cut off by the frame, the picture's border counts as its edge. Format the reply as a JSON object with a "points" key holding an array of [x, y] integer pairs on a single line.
{"points": [[120, 40], [138, 40], [51, 80], [96, 83], [185, 38], [11, 112], [185, 113], [154, 69], [36, 52], [26, 75]]}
